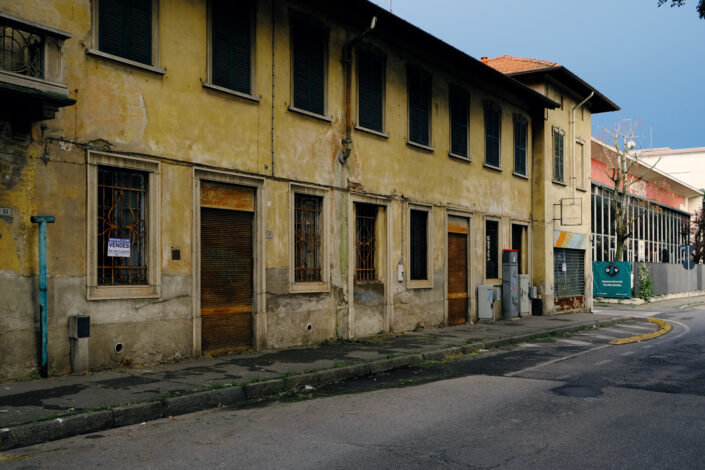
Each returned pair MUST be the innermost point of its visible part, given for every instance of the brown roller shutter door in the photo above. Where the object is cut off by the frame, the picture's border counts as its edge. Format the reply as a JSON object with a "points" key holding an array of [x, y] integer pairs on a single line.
{"points": [[226, 279], [457, 278]]}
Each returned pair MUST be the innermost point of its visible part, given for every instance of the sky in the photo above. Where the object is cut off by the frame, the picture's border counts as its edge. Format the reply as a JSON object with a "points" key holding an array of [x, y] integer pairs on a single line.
{"points": [[650, 61]]}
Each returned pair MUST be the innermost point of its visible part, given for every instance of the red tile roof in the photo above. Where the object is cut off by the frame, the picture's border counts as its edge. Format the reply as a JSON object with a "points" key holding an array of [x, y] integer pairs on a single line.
{"points": [[509, 64]]}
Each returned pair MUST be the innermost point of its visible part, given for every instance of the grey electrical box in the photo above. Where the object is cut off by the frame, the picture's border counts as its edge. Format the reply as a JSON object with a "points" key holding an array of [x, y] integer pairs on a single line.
{"points": [[79, 334], [524, 303], [510, 284], [485, 302]]}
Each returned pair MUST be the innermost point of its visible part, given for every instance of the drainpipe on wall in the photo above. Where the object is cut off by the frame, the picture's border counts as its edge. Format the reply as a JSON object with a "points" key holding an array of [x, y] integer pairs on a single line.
{"points": [[347, 64], [43, 220], [572, 131]]}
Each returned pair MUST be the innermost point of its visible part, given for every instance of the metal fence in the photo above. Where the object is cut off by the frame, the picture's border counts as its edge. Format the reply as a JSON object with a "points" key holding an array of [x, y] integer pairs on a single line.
{"points": [[671, 278]]}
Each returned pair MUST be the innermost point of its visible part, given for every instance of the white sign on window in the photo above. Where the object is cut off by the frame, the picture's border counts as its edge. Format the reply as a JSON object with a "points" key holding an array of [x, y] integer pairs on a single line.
{"points": [[119, 247], [641, 250]]}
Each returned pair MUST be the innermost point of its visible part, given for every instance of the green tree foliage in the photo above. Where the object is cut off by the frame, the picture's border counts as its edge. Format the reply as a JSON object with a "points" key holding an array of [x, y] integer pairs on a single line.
{"points": [[680, 3]]}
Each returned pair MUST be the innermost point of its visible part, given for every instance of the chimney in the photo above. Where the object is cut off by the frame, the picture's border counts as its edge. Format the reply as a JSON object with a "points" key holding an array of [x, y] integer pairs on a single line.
{"points": [[483, 59]]}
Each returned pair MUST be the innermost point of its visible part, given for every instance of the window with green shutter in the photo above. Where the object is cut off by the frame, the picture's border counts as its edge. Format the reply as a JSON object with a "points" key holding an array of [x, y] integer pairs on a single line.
{"points": [[558, 162], [370, 80], [310, 41], [493, 123], [521, 128], [231, 45], [459, 121], [419, 88], [125, 29]]}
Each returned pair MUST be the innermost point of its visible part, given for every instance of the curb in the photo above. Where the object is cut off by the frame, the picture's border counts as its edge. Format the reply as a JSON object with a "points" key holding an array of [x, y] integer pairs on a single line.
{"points": [[24, 435], [664, 327]]}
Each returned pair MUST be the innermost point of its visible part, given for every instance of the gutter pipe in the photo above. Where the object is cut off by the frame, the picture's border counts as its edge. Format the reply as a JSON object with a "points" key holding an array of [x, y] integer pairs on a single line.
{"points": [[572, 131], [43, 220], [347, 63]]}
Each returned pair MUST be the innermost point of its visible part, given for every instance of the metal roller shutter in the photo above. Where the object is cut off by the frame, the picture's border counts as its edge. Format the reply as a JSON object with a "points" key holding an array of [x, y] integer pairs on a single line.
{"points": [[569, 285], [226, 279]]}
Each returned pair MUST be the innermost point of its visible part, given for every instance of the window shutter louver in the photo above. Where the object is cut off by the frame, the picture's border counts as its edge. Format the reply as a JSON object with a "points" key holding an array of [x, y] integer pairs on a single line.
{"points": [[309, 67], [370, 86], [419, 104], [459, 111], [111, 26], [231, 44], [140, 31], [493, 118], [520, 143]]}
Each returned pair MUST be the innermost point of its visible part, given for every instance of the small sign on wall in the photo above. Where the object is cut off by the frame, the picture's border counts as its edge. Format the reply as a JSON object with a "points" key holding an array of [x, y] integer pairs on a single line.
{"points": [[119, 247], [5, 212]]}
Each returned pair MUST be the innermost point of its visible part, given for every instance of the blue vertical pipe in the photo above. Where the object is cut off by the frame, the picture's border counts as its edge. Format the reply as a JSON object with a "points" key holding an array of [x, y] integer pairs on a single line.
{"points": [[43, 220]]}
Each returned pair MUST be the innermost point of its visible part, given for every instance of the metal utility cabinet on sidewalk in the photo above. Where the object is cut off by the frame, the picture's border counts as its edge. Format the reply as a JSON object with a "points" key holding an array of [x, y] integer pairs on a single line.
{"points": [[510, 284]]}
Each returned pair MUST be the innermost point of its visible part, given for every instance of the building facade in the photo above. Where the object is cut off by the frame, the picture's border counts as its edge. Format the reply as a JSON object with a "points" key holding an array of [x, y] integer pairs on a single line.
{"points": [[284, 173], [562, 179], [661, 207]]}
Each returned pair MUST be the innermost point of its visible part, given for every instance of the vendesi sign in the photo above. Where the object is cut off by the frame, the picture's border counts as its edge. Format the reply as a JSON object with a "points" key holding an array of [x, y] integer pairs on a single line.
{"points": [[119, 247], [612, 279]]}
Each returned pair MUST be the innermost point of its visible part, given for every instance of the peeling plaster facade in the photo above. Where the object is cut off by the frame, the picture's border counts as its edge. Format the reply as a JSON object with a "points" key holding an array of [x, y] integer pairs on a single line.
{"points": [[165, 120]]}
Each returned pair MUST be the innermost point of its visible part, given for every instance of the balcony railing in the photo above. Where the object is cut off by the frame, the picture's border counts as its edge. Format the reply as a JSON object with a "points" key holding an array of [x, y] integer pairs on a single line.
{"points": [[21, 51]]}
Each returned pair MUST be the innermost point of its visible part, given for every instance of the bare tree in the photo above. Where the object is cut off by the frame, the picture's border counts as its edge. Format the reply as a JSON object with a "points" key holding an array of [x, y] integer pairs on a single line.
{"points": [[697, 232], [625, 170]]}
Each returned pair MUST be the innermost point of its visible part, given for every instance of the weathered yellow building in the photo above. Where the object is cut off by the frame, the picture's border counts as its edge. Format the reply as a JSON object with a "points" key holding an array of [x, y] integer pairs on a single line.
{"points": [[264, 174]]}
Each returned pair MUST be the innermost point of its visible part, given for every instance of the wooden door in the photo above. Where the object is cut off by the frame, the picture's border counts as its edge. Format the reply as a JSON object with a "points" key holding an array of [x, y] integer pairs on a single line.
{"points": [[457, 278], [226, 279]]}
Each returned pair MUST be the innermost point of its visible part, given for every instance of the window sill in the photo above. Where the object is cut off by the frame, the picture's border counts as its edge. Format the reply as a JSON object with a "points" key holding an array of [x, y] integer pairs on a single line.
{"points": [[581, 190], [228, 91], [492, 167], [122, 292], [372, 131], [321, 117], [559, 183], [122, 60], [520, 175], [459, 157], [419, 284], [427, 148], [308, 287]]}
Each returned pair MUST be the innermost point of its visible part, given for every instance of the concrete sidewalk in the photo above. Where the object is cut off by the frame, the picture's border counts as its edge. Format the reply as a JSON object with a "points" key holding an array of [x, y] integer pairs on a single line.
{"points": [[46, 409]]}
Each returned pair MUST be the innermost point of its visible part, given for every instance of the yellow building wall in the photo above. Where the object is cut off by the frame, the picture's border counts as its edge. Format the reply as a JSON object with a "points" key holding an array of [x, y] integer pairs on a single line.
{"points": [[172, 119]]}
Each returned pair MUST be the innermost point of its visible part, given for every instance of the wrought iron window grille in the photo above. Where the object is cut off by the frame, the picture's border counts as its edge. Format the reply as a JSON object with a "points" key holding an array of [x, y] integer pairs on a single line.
{"points": [[21, 50]]}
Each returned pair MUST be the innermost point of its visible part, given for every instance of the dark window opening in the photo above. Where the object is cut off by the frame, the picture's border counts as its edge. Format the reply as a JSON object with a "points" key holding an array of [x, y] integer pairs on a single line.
{"points": [[125, 29], [418, 245], [365, 237], [231, 45], [122, 216], [310, 45], [370, 90], [493, 124], [521, 127], [419, 84], [491, 249], [307, 238], [459, 122], [558, 155]]}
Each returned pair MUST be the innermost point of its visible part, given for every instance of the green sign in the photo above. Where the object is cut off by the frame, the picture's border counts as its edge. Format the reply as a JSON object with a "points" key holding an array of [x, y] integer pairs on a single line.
{"points": [[612, 279]]}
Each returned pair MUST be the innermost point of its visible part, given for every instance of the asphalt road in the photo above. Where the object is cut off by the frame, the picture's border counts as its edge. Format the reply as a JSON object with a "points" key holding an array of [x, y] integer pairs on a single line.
{"points": [[567, 402]]}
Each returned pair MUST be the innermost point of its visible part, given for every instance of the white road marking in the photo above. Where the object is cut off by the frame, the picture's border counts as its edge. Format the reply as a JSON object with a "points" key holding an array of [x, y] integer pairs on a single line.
{"points": [[602, 363], [637, 327], [595, 335], [574, 342], [628, 353], [558, 359]]}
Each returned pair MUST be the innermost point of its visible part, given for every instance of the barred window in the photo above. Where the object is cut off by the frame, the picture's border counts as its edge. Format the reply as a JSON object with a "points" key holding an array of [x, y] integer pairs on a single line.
{"points": [[122, 226], [307, 238], [365, 219]]}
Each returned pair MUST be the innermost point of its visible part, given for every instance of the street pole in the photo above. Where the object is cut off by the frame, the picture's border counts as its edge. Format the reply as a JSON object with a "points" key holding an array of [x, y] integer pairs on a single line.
{"points": [[43, 220]]}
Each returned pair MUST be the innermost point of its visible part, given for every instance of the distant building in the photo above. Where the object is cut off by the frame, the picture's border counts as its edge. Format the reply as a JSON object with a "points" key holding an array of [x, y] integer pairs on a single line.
{"points": [[664, 202], [688, 165]]}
